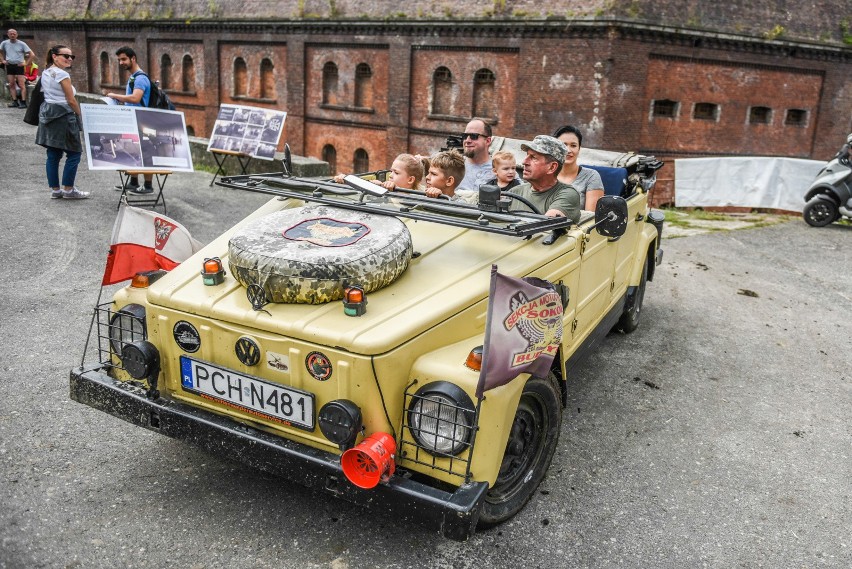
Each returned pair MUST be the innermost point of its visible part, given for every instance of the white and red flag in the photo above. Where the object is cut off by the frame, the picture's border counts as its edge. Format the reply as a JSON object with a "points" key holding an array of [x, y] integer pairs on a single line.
{"points": [[143, 240], [523, 330]]}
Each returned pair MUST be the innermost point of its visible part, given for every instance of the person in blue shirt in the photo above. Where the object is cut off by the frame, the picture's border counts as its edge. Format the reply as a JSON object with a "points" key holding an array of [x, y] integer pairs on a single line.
{"points": [[137, 94]]}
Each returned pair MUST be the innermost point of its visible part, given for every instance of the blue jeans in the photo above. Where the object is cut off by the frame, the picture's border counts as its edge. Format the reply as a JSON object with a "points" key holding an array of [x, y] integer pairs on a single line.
{"points": [[69, 173]]}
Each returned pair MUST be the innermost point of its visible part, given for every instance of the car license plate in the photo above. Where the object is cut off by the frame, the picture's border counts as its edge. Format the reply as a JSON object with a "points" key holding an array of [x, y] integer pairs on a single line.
{"points": [[247, 393]]}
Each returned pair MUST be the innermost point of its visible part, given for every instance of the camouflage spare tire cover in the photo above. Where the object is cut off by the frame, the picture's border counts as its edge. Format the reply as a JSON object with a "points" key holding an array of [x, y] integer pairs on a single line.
{"points": [[307, 254]]}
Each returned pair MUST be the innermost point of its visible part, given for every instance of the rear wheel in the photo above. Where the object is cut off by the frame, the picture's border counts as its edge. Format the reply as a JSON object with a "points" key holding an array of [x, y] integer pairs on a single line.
{"points": [[819, 212], [629, 321], [529, 450]]}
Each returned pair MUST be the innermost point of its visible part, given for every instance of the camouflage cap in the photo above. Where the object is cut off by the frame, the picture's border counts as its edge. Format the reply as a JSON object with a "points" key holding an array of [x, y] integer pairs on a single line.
{"points": [[544, 144]]}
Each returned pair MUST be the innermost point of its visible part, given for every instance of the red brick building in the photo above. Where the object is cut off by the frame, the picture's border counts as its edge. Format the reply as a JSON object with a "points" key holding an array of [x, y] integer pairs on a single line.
{"points": [[362, 83]]}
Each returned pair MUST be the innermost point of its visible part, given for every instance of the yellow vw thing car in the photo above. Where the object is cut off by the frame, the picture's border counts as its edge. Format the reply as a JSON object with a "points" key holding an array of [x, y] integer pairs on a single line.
{"points": [[335, 338]]}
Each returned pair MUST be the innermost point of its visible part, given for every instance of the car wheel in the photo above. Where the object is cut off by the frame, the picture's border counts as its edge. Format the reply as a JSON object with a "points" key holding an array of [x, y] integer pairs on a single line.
{"points": [[629, 321], [529, 450], [819, 212]]}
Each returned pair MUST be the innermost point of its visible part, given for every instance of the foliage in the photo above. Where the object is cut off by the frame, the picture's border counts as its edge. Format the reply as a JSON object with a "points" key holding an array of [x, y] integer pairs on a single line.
{"points": [[775, 32], [845, 31], [14, 9]]}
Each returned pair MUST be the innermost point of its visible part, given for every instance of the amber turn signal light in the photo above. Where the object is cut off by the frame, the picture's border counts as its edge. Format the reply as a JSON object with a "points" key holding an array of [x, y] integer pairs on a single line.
{"points": [[474, 359], [354, 301], [212, 272]]}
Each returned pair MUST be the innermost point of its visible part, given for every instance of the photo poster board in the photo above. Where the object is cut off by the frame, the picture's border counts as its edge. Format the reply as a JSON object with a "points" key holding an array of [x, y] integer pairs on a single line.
{"points": [[135, 138], [247, 130]]}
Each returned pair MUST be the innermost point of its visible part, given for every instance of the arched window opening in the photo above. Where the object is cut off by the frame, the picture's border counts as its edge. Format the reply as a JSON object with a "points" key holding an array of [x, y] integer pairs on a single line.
{"points": [[442, 92], [484, 94], [329, 84], [187, 74], [105, 71], [240, 78], [329, 154], [190, 130], [796, 117], [361, 163], [267, 79], [166, 72], [363, 86]]}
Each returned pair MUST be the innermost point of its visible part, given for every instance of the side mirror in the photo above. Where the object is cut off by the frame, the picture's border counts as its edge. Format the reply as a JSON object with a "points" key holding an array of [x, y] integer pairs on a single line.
{"points": [[610, 216]]}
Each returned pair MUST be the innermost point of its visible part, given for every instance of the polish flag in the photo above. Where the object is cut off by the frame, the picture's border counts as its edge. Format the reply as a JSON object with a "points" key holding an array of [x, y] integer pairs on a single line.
{"points": [[143, 240]]}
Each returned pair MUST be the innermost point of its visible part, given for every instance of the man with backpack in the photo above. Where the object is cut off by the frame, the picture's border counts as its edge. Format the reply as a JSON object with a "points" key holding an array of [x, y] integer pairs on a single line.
{"points": [[137, 94]]}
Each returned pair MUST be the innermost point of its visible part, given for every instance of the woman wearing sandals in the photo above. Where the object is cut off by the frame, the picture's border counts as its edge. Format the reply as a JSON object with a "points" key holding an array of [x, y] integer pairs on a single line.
{"points": [[59, 124]]}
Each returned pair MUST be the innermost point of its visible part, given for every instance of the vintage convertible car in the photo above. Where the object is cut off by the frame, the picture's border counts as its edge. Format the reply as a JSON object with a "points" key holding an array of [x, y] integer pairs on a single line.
{"points": [[335, 338]]}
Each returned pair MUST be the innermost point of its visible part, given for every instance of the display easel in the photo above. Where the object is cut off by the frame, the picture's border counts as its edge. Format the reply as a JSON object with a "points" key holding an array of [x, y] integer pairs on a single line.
{"points": [[151, 200], [221, 156]]}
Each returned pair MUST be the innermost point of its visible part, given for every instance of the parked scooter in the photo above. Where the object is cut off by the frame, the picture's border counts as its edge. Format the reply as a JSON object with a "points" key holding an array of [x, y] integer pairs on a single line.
{"points": [[830, 195]]}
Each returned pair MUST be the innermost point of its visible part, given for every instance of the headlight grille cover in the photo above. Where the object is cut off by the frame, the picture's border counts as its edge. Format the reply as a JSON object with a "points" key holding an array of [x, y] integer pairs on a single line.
{"points": [[442, 420]]}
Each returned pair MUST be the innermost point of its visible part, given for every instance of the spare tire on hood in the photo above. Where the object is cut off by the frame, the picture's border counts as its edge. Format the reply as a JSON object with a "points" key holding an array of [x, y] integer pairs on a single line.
{"points": [[309, 254]]}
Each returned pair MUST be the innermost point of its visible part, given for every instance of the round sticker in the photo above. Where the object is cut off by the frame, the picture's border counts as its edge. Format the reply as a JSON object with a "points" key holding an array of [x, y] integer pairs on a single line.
{"points": [[318, 366], [187, 336]]}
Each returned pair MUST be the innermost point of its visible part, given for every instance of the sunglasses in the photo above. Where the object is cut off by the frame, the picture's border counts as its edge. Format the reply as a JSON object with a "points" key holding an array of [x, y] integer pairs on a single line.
{"points": [[67, 55], [471, 135]]}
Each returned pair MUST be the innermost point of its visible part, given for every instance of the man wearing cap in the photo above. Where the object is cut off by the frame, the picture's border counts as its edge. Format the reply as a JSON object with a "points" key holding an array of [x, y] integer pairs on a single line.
{"points": [[15, 54], [545, 156]]}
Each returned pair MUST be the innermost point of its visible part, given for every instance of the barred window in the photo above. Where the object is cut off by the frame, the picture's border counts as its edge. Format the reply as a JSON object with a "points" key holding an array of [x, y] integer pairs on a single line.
{"points": [[329, 83], [267, 79], [796, 117], [664, 108], [705, 111], [105, 70], [329, 154], [363, 86], [484, 93], [760, 115], [361, 162], [166, 71], [442, 92], [187, 74]]}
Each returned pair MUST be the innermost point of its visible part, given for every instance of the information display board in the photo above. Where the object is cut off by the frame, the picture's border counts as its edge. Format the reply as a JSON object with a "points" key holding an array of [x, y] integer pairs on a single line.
{"points": [[135, 138], [252, 131]]}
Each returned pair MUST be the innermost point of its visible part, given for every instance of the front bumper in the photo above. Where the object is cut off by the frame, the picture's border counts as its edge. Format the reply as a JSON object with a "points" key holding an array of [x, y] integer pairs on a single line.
{"points": [[454, 515]]}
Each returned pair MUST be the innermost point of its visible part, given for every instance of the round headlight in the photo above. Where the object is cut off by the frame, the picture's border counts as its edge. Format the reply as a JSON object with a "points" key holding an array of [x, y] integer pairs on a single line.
{"points": [[441, 418], [126, 326]]}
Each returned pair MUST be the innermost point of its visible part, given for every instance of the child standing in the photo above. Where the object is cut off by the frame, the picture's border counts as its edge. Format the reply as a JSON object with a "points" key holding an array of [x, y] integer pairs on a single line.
{"points": [[504, 168]]}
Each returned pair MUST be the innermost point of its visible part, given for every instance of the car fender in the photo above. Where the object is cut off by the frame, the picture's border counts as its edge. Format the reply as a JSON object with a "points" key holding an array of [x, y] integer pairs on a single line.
{"points": [[496, 410]]}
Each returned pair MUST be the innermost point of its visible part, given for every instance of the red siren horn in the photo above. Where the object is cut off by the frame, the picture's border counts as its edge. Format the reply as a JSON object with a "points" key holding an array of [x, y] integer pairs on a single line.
{"points": [[370, 462]]}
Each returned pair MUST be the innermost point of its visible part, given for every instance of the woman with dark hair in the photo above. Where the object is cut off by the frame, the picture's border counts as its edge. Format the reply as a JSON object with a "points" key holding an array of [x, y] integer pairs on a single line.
{"points": [[59, 124], [585, 180]]}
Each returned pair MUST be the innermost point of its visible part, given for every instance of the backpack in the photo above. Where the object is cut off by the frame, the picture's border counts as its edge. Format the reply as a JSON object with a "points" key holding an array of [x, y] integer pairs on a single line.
{"points": [[157, 98]]}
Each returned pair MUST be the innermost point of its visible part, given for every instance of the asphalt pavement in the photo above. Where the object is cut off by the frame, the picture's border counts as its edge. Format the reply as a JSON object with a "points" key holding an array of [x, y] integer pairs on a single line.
{"points": [[719, 434]]}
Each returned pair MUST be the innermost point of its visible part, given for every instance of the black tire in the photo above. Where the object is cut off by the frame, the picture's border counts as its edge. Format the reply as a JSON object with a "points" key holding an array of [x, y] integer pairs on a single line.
{"points": [[629, 321], [532, 442], [820, 212]]}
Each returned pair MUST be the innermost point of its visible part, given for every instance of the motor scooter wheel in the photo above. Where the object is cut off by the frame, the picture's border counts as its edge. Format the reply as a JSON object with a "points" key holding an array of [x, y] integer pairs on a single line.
{"points": [[820, 212]]}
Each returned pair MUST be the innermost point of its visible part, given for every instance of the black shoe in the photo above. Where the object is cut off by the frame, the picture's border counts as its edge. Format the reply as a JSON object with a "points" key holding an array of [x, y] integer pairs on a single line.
{"points": [[22, 104], [13, 105]]}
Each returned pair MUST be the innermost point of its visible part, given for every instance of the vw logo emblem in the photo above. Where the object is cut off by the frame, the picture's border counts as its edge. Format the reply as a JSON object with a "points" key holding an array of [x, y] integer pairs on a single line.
{"points": [[256, 296], [247, 351]]}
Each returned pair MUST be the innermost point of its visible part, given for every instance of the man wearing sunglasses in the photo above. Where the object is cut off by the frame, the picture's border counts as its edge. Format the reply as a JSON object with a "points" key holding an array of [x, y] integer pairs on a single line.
{"points": [[477, 164], [15, 55]]}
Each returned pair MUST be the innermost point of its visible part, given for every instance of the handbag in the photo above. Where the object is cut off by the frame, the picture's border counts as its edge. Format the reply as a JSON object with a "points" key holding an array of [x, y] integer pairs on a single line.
{"points": [[36, 99]]}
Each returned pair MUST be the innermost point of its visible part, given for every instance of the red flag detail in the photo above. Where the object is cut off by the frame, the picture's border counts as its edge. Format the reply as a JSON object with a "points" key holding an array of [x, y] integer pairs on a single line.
{"points": [[144, 241]]}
